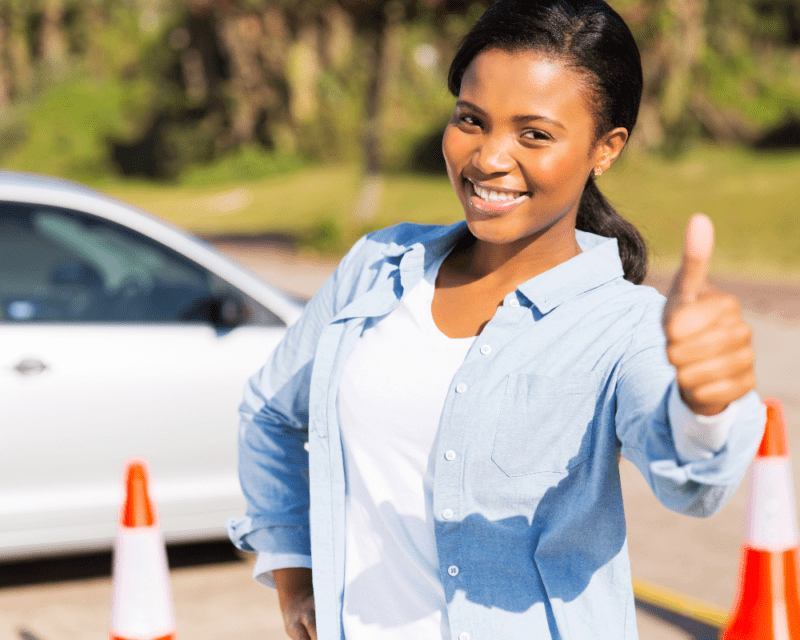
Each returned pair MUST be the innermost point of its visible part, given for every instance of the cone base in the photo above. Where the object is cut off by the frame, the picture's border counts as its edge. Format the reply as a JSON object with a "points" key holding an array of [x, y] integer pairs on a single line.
{"points": [[768, 607]]}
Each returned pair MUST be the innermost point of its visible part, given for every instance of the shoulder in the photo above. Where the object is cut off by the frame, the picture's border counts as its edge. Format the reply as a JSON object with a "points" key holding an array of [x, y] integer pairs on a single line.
{"points": [[639, 310], [631, 297], [629, 312], [377, 255], [406, 234], [392, 242]]}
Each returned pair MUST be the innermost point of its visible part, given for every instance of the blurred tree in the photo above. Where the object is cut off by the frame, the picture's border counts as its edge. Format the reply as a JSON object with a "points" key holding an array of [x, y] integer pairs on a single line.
{"points": [[338, 79]]}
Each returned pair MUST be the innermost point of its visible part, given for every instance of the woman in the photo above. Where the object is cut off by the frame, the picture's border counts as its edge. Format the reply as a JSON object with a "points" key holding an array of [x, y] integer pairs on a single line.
{"points": [[465, 391]]}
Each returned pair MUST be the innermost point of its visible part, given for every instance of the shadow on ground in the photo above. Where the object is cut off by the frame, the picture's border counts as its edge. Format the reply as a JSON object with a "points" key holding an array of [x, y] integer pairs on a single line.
{"points": [[98, 565]]}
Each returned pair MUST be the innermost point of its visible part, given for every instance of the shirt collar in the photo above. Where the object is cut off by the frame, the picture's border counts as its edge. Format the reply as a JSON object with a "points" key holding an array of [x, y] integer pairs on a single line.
{"points": [[598, 264]]}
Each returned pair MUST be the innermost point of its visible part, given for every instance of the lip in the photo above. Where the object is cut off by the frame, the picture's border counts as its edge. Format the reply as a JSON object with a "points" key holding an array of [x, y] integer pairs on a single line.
{"points": [[496, 207]]}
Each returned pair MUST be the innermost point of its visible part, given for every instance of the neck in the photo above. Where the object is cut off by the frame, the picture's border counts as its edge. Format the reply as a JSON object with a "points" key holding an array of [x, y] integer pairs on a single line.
{"points": [[519, 261]]}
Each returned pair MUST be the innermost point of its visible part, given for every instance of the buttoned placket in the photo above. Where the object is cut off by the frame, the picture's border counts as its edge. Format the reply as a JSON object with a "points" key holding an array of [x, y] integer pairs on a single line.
{"points": [[327, 460], [447, 496]]}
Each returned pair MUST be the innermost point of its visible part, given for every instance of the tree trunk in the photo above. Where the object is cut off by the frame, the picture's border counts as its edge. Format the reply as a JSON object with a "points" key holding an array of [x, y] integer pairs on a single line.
{"points": [[384, 53], [52, 41], [687, 41], [6, 77], [21, 67]]}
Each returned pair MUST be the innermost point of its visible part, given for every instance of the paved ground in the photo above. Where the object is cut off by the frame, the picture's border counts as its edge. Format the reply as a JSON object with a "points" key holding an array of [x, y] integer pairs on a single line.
{"points": [[696, 557]]}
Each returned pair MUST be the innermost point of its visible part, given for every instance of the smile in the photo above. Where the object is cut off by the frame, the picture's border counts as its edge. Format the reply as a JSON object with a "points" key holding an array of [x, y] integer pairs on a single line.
{"points": [[494, 201]]}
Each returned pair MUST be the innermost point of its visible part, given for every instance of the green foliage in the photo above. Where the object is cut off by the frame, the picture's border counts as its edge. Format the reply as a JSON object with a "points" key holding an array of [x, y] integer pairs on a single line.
{"points": [[749, 64], [66, 131], [125, 70]]}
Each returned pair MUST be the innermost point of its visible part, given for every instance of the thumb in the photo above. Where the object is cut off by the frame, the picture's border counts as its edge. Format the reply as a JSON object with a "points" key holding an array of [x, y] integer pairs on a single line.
{"points": [[698, 244]]}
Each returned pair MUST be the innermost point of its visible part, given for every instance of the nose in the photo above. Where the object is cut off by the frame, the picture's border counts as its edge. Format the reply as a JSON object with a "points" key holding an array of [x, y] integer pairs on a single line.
{"points": [[493, 155]]}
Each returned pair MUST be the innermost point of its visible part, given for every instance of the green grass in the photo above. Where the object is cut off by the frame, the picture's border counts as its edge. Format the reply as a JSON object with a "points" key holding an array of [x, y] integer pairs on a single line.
{"points": [[753, 199]]}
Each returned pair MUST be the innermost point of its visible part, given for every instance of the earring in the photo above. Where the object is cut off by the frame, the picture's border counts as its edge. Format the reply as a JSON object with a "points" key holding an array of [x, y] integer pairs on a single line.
{"points": [[597, 172]]}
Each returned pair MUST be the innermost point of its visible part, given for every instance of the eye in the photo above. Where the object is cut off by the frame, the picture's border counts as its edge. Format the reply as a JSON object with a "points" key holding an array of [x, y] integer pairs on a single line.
{"points": [[537, 134], [469, 120]]}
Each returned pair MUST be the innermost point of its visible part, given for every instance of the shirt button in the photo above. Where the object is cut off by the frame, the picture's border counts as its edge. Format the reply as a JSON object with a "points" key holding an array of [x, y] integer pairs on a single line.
{"points": [[463, 636], [447, 514], [486, 349], [461, 388], [450, 455], [513, 302], [453, 571]]}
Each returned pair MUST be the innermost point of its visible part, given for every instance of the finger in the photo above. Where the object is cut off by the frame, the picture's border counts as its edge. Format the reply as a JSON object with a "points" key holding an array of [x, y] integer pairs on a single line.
{"points": [[698, 244], [689, 320], [720, 393], [729, 334], [730, 365], [297, 631], [311, 624]]}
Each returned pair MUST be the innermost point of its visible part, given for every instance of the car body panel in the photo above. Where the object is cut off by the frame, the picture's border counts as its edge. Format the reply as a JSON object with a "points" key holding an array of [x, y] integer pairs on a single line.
{"points": [[80, 398]]}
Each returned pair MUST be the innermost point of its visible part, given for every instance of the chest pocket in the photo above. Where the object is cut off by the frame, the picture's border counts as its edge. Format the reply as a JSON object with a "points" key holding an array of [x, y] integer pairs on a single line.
{"points": [[545, 423]]}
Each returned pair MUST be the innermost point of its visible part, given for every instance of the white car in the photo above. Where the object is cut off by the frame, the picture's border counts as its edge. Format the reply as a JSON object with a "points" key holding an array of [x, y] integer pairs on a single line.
{"points": [[120, 336]]}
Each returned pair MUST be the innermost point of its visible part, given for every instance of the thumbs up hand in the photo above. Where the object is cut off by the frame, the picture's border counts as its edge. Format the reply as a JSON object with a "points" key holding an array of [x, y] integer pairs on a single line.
{"points": [[708, 342]]}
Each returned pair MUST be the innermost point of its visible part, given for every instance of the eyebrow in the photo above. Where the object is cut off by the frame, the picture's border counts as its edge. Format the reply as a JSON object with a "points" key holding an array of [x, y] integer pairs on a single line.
{"points": [[515, 119]]}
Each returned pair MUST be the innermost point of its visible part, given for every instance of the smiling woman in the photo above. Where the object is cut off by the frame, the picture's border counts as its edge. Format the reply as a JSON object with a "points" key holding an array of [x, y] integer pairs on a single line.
{"points": [[438, 436]]}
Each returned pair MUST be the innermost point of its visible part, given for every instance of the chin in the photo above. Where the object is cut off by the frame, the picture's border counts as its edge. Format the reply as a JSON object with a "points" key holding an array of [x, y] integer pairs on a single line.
{"points": [[494, 231]]}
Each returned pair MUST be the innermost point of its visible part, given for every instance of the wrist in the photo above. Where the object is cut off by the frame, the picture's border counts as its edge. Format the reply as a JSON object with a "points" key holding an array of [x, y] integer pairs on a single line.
{"points": [[293, 583], [703, 408]]}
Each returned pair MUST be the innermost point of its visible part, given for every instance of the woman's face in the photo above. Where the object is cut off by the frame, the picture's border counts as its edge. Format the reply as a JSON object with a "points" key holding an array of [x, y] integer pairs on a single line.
{"points": [[521, 145]]}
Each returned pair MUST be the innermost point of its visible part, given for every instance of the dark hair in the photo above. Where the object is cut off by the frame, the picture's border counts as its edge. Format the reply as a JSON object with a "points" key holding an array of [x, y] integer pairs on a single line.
{"points": [[592, 38]]}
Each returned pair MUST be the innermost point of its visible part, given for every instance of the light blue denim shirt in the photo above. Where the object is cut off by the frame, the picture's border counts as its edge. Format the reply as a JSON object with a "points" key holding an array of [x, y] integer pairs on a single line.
{"points": [[576, 373]]}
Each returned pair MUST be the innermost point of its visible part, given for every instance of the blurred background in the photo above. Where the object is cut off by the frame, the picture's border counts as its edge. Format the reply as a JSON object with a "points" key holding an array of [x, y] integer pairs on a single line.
{"points": [[316, 120]]}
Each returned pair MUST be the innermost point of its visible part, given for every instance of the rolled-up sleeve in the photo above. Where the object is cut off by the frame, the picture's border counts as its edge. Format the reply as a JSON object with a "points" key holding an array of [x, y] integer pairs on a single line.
{"points": [[697, 487], [273, 432]]}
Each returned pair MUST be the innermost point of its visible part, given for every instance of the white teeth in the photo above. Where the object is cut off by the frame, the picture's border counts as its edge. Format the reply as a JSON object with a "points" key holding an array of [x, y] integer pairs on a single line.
{"points": [[494, 196]]}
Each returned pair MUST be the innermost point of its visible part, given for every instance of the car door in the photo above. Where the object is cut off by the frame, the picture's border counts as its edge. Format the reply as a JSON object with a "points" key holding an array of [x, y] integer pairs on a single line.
{"points": [[114, 346]]}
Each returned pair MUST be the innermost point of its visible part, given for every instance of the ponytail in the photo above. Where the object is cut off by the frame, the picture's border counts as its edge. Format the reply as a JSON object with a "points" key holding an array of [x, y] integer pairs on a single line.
{"points": [[596, 215]]}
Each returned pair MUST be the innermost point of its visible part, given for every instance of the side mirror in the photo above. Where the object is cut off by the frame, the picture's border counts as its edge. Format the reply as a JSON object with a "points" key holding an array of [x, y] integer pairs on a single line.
{"points": [[224, 311], [230, 311]]}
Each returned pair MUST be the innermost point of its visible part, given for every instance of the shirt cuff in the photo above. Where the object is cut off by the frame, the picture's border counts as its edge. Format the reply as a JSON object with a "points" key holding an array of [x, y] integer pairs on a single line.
{"points": [[698, 437], [267, 562]]}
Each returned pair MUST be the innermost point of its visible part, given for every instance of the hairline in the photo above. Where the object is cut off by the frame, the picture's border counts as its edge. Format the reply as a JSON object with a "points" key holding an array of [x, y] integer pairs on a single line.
{"points": [[592, 91]]}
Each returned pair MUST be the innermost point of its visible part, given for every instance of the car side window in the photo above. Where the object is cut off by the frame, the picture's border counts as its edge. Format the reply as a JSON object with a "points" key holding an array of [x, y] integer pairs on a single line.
{"points": [[59, 265]]}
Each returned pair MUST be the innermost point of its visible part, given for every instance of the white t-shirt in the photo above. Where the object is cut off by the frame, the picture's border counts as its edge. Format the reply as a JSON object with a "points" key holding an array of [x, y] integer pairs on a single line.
{"points": [[389, 416]]}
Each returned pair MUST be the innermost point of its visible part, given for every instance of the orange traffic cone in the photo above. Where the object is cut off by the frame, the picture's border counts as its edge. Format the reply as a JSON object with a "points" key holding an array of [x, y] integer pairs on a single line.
{"points": [[768, 606], [141, 606]]}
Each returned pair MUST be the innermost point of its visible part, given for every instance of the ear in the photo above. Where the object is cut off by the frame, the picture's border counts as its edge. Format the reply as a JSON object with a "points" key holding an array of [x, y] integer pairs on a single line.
{"points": [[608, 149]]}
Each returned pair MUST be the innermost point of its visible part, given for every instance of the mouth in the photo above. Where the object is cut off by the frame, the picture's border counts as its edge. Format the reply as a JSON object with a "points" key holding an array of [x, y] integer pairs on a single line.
{"points": [[495, 200]]}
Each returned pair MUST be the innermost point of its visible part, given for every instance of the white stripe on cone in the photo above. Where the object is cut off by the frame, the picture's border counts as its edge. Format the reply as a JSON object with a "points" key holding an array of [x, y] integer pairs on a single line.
{"points": [[142, 600], [771, 523]]}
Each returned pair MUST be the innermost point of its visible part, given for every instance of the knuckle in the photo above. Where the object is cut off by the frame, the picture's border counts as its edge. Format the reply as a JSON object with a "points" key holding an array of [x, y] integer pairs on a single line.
{"points": [[669, 325], [744, 332], [730, 303], [711, 393], [684, 380]]}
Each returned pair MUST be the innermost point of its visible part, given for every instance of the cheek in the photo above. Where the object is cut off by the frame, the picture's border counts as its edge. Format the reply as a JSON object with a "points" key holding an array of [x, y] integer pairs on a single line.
{"points": [[456, 147], [564, 171]]}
